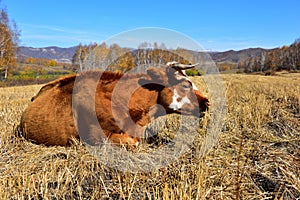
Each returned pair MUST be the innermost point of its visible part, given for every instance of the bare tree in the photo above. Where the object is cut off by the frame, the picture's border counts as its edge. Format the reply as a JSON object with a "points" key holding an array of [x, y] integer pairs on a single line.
{"points": [[262, 61], [9, 38]]}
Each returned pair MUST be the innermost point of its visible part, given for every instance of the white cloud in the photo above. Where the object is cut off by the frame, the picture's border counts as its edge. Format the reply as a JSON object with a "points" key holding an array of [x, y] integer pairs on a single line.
{"points": [[45, 35]]}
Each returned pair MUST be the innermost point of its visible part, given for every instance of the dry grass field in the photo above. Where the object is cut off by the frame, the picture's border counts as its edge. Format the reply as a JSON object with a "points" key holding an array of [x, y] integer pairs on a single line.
{"points": [[256, 156]]}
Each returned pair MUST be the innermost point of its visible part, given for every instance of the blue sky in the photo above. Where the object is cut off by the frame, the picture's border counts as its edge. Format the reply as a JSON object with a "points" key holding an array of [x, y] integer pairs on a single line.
{"points": [[216, 25]]}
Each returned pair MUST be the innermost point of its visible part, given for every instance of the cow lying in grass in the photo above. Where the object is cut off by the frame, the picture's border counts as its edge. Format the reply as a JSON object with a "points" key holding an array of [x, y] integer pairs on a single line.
{"points": [[123, 105]]}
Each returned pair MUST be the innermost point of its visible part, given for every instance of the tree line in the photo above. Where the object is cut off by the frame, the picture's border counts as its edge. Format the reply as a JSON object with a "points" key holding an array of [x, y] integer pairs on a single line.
{"points": [[9, 37], [115, 58], [284, 58]]}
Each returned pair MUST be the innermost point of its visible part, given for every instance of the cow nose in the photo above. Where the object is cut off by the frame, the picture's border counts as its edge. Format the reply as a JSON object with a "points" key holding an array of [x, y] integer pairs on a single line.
{"points": [[206, 105]]}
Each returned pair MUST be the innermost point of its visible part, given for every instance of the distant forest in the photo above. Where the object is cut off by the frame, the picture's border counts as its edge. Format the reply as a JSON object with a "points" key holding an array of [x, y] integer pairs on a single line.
{"points": [[284, 58], [116, 58]]}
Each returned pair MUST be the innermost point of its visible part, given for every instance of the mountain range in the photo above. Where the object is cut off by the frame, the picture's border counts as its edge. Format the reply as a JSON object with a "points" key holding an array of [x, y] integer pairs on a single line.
{"points": [[65, 55], [59, 54]]}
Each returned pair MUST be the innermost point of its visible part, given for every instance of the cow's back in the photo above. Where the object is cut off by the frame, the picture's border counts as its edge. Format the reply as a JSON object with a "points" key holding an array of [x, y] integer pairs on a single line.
{"points": [[48, 119]]}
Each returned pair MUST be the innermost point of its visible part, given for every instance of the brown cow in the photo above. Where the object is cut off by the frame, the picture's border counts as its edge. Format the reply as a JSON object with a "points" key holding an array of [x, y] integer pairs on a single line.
{"points": [[100, 105]]}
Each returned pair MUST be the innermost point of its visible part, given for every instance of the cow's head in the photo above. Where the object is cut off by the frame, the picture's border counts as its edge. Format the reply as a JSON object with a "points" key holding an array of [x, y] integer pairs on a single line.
{"points": [[177, 93]]}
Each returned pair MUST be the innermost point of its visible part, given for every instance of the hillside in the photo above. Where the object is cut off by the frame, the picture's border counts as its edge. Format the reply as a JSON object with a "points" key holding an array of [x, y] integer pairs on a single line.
{"points": [[66, 54], [63, 55], [236, 56]]}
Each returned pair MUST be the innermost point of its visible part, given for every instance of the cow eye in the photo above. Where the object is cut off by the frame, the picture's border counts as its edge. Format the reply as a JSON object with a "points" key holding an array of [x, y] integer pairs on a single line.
{"points": [[186, 85]]}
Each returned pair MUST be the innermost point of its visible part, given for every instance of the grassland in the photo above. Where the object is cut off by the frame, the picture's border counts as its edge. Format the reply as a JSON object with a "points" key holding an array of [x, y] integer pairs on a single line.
{"points": [[256, 156]]}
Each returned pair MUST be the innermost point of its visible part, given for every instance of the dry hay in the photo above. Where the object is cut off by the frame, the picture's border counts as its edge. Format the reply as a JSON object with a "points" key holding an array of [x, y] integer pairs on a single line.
{"points": [[256, 156]]}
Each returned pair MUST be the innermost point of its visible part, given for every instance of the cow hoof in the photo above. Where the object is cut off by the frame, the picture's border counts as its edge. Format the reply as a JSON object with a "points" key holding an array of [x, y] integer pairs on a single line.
{"points": [[124, 139]]}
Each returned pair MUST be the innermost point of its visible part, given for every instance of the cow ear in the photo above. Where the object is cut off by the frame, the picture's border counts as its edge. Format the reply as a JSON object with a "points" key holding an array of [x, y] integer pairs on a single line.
{"points": [[150, 85], [156, 74], [157, 79], [159, 75]]}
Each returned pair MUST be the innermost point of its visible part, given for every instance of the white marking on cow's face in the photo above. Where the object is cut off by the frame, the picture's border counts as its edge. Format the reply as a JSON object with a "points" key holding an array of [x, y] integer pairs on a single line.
{"points": [[177, 101], [194, 86]]}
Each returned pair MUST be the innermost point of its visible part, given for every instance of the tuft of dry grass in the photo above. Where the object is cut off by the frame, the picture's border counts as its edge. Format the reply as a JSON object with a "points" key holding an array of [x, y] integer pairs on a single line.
{"points": [[255, 157]]}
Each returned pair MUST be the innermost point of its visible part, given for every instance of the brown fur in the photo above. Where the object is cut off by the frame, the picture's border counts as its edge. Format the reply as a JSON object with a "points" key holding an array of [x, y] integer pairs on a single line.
{"points": [[120, 115]]}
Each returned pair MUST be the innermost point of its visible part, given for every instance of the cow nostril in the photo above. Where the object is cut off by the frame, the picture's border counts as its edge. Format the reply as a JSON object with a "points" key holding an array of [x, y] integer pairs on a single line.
{"points": [[204, 106], [207, 104]]}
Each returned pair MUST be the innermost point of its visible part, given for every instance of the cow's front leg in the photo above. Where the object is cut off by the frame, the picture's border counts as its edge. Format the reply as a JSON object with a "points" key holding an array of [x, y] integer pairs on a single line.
{"points": [[123, 139]]}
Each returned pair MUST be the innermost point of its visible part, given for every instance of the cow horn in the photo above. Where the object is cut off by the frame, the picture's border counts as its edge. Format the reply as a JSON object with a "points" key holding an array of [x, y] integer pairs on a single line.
{"points": [[183, 66]]}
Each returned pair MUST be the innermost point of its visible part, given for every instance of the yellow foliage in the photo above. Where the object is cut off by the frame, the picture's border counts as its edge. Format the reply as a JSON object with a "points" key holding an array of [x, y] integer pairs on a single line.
{"points": [[51, 63]]}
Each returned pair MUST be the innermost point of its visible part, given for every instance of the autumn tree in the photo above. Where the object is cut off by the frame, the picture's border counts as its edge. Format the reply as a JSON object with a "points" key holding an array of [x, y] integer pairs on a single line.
{"points": [[186, 54], [284, 58], [9, 35], [50, 63], [116, 58], [103, 57]]}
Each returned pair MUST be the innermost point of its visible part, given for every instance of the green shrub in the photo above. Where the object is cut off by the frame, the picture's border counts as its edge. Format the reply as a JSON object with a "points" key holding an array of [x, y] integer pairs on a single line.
{"points": [[194, 72]]}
